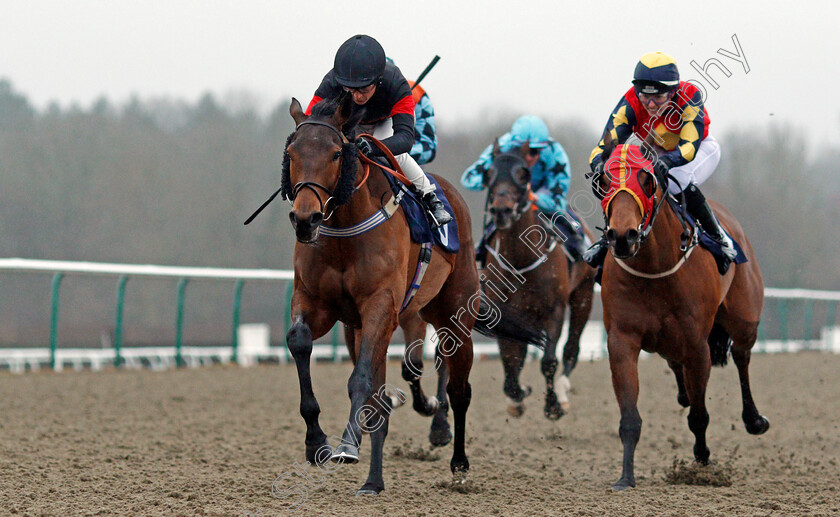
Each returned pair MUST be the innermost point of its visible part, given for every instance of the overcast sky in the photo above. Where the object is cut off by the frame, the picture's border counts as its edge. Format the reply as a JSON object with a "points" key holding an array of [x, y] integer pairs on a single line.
{"points": [[557, 59]]}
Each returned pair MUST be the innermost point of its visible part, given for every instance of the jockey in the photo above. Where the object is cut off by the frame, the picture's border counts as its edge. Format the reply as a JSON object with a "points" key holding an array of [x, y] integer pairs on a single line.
{"points": [[425, 131], [379, 88], [674, 110], [550, 174]]}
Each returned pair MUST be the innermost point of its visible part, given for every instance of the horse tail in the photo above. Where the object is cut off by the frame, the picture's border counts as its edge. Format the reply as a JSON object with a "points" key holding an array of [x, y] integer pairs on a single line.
{"points": [[719, 344], [507, 326]]}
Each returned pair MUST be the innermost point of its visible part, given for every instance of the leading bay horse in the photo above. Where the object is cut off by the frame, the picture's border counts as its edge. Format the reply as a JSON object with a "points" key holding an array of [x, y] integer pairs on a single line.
{"points": [[528, 252], [361, 280], [662, 299]]}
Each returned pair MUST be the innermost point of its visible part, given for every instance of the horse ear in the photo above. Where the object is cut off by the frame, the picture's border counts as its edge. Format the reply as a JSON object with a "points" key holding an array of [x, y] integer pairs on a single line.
{"points": [[524, 149], [648, 147], [496, 149], [296, 111], [522, 176], [346, 116]]}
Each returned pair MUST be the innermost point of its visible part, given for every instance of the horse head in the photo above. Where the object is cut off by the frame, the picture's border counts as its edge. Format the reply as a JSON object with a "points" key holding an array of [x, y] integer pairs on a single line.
{"points": [[319, 164], [628, 190], [508, 183]]}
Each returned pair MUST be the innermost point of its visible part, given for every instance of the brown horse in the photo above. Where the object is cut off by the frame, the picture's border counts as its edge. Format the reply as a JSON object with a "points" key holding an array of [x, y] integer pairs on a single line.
{"points": [[659, 298], [525, 251], [361, 280]]}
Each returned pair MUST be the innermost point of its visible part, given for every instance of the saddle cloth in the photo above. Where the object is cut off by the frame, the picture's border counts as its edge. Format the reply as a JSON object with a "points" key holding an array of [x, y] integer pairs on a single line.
{"points": [[446, 236]]}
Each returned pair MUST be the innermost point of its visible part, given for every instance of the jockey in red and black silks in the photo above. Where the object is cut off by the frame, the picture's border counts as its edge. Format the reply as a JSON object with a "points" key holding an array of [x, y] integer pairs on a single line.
{"points": [[674, 112], [361, 70]]}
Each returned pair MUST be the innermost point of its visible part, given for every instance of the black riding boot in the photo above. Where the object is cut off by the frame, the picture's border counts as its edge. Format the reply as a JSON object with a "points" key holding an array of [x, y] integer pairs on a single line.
{"points": [[438, 216], [702, 212]]}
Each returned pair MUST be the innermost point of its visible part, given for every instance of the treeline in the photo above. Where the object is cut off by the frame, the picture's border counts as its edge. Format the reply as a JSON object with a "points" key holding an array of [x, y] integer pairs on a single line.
{"points": [[170, 182]]}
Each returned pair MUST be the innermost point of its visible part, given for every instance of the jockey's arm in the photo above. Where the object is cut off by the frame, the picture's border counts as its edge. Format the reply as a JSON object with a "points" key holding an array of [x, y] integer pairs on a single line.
{"points": [[551, 184], [402, 122], [620, 125], [473, 177], [691, 134], [425, 132]]}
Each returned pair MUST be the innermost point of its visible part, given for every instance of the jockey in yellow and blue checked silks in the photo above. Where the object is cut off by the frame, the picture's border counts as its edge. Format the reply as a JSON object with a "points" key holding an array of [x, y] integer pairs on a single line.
{"points": [[550, 175], [673, 110]]}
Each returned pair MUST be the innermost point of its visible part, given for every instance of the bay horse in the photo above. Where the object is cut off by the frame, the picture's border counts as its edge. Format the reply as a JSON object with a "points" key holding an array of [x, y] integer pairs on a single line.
{"points": [[361, 280], [523, 248], [673, 302]]}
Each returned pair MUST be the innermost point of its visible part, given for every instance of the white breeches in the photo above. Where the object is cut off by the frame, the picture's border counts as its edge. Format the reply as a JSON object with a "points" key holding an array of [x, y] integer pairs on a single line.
{"points": [[699, 169], [412, 171]]}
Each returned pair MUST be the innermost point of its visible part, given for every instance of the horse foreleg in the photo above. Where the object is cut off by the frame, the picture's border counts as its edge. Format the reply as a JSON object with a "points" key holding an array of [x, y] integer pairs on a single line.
{"points": [[378, 324], [376, 417], [554, 408], [513, 359], [625, 378], [696, 375], [299, 341], [753, 421], [441, 434], [414, 330]]}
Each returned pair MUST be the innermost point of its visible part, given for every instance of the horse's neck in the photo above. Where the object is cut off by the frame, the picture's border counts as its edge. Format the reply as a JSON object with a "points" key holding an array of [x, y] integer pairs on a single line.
{"points": [[661, 250], [510, 242]]}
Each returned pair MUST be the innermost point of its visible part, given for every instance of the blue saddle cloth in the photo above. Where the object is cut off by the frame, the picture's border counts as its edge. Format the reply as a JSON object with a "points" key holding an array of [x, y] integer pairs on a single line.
{"points": [[445, 236], [705, 240]]}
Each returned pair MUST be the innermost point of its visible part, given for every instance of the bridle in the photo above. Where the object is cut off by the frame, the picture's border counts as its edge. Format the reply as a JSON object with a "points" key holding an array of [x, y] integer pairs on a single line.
{"points": [[315, 186], [523, 202]]}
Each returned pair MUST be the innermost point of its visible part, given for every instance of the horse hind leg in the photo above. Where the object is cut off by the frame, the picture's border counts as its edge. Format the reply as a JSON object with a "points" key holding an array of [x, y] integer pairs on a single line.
{"points": [[741, 353], [299, 342], [682, 396], [441, 433], [414, 329], [513, 359], [580, 307]]}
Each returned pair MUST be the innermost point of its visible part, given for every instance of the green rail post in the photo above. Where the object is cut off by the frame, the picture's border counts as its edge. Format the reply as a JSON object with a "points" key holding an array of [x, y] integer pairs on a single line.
{"points": [[56, 283], [287, 324], [119, 323], [783, 317], [808, 319], [335, 342], [237, 303], [179, 322]]}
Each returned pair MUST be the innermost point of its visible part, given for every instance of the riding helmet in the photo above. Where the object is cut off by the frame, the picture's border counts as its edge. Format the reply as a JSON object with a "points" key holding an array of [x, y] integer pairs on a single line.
{"points": [[360, 61], [656, 73], [531, 129]]}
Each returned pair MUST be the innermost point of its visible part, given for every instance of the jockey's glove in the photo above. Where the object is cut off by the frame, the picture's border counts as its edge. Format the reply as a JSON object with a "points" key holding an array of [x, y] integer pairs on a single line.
{"points": [[364, 147], [660, 168]]}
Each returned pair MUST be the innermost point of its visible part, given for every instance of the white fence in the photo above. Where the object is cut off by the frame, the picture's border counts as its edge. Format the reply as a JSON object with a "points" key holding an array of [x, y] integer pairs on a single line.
{"points": [[250, 343]]}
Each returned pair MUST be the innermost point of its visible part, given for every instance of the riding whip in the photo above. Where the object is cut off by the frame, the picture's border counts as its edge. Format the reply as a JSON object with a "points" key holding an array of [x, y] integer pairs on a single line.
{"points": [[426, 71]]}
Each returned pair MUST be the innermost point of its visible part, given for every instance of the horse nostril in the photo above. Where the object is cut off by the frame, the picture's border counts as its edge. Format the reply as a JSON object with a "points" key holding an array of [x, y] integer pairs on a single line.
{"points": [[612, 235], [316, 218], [293, 218], [492, 210], [632, 236]]}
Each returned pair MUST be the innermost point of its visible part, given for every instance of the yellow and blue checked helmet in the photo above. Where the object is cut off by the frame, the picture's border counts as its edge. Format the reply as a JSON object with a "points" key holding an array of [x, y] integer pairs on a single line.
{"points": [[656, 73]]}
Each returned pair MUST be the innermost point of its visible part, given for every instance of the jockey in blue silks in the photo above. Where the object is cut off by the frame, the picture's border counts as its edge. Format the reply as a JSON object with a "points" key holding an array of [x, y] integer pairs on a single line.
{"points": [[550, 175]]}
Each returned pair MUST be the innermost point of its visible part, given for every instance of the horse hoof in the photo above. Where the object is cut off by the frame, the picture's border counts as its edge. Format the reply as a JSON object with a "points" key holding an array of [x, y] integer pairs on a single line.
{"points": [[345, 453], [440, 437], [554, 411], [623, 484], [526, 390], [758, 426], [515, 409], [365, 490], [319, 455], [459, 467]]}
